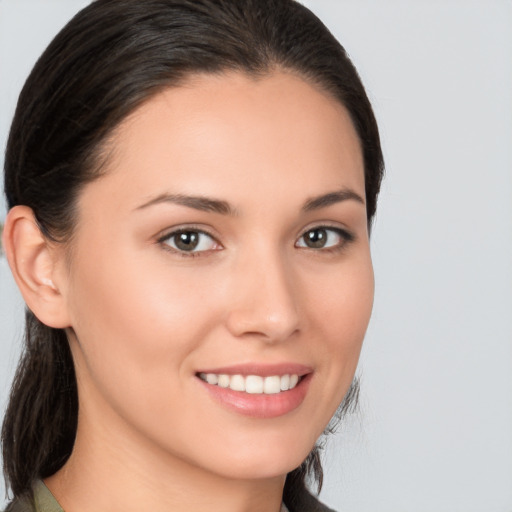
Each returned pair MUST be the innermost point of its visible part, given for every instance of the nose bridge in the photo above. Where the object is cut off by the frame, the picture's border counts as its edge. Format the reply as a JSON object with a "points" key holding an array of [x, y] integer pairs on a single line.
{"points": [[264, 302]]}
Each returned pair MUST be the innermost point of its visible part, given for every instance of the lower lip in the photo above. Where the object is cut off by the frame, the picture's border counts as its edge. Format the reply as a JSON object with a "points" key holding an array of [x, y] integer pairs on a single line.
{"points": [[260, 405]]}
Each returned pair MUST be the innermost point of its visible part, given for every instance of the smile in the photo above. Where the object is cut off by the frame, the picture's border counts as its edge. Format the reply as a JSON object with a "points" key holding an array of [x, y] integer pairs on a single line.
{"points": [[252, 384], [257, 390]]}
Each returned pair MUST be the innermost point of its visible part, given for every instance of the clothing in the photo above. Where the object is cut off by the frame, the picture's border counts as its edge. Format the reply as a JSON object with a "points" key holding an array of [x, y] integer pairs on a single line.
{"points": [[44, 501]]}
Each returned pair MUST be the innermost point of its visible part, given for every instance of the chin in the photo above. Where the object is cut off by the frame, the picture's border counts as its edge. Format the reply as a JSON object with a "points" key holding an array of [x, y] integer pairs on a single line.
{"points": [[263, 460]]}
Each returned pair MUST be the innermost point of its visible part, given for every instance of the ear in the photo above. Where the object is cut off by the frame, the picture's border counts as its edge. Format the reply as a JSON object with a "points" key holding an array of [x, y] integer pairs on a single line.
{"points": [[34, 262]]}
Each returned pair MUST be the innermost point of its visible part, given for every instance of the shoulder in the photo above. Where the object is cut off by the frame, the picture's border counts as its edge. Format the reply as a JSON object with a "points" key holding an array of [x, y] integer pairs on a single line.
{"points": [[41, 500]]}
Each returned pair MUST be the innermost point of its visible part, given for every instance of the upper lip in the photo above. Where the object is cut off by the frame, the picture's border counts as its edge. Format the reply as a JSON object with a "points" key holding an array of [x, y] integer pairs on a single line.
{"points": [[263, 370]]}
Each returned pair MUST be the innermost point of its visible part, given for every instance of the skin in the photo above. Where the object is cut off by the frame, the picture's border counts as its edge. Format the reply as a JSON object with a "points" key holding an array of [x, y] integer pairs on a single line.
{"points": [[143, 322]]}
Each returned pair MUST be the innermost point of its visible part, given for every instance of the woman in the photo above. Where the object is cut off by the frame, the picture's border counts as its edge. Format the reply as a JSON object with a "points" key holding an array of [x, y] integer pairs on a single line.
{"points": [[191, 185]]}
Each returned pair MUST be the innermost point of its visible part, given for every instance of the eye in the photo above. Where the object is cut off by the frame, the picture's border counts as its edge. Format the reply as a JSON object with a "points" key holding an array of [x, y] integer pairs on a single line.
{"points": [[324, 238], [189, 241]]}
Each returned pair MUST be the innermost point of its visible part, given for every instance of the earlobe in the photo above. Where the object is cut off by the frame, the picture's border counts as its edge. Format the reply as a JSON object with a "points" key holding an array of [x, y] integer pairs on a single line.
{"points": [[33, 260]]}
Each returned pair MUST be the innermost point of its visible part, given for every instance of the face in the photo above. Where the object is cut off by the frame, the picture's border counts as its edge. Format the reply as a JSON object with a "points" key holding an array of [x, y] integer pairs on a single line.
{"points": [[219, 283]]}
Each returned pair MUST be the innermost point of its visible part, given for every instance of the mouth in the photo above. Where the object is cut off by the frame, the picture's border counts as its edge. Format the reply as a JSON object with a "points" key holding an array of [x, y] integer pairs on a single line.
{"points": [[252, 384], [258, 392]]}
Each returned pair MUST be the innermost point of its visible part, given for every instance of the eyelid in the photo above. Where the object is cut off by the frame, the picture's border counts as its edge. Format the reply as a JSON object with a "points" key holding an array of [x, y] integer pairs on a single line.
{"points": [[168, 233], [344, 233], [179, 228], [336, 226]]}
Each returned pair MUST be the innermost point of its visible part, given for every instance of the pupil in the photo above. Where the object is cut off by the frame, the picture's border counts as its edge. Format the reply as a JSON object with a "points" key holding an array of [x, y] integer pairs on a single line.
{"points": [[187, 241], [316, 238]]}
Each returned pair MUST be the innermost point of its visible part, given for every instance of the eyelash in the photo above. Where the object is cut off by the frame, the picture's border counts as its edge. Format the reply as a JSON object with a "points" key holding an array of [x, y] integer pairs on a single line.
{"points": [[345, 238], [163, 241]]}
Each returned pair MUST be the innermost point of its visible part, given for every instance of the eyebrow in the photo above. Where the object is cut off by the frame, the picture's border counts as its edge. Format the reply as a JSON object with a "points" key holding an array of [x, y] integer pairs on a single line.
{"points": [[207, 204], [204, 204], [325, 200]]}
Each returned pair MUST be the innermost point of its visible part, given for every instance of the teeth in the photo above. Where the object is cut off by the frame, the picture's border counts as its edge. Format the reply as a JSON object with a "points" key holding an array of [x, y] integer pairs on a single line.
{"points": [[211, 378], [272, 385], [237, 383], [223, 381], [253, 384]]}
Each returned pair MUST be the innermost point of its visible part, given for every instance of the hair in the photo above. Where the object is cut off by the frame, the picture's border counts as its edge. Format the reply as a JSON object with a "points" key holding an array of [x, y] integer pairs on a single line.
{"points": [[110, 58]]}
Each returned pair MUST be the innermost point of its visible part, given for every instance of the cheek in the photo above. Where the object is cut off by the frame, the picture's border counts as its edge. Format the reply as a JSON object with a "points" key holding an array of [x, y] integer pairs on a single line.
{"points": [[138, 327], [137, 336], [342, 312], [343, 301]]}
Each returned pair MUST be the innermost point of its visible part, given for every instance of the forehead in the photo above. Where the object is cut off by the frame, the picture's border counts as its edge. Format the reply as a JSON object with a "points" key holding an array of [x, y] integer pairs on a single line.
{"points": [[215, 130]]}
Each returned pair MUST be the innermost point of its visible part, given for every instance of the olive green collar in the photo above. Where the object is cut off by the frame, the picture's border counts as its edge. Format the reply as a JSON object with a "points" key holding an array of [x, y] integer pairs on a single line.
{"points": [[44, 499]]}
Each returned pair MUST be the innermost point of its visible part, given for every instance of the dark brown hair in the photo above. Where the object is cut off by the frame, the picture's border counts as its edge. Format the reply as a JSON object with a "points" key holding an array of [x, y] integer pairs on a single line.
{"points": [[110, 58]]}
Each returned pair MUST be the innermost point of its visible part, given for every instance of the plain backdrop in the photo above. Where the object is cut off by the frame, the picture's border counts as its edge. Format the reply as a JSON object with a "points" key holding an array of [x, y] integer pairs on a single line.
{"points": [[434, 429]]}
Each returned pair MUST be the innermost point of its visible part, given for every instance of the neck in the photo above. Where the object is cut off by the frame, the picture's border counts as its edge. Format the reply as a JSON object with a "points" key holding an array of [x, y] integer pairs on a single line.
{"points": [[127, 473]]}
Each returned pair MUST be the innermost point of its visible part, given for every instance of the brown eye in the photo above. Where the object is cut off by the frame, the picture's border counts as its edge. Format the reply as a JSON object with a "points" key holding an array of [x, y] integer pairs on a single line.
{"points": [[315, 239], [191, 241], [324, 238], [186, 241]]}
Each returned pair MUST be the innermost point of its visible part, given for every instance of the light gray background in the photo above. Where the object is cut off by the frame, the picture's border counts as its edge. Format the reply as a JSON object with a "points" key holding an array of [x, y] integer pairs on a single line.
{"points": [[434, 431]]}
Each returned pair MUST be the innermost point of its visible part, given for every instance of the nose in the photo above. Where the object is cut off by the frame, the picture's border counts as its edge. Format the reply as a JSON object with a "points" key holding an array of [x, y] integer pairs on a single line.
{"points": [[264, 303]]}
